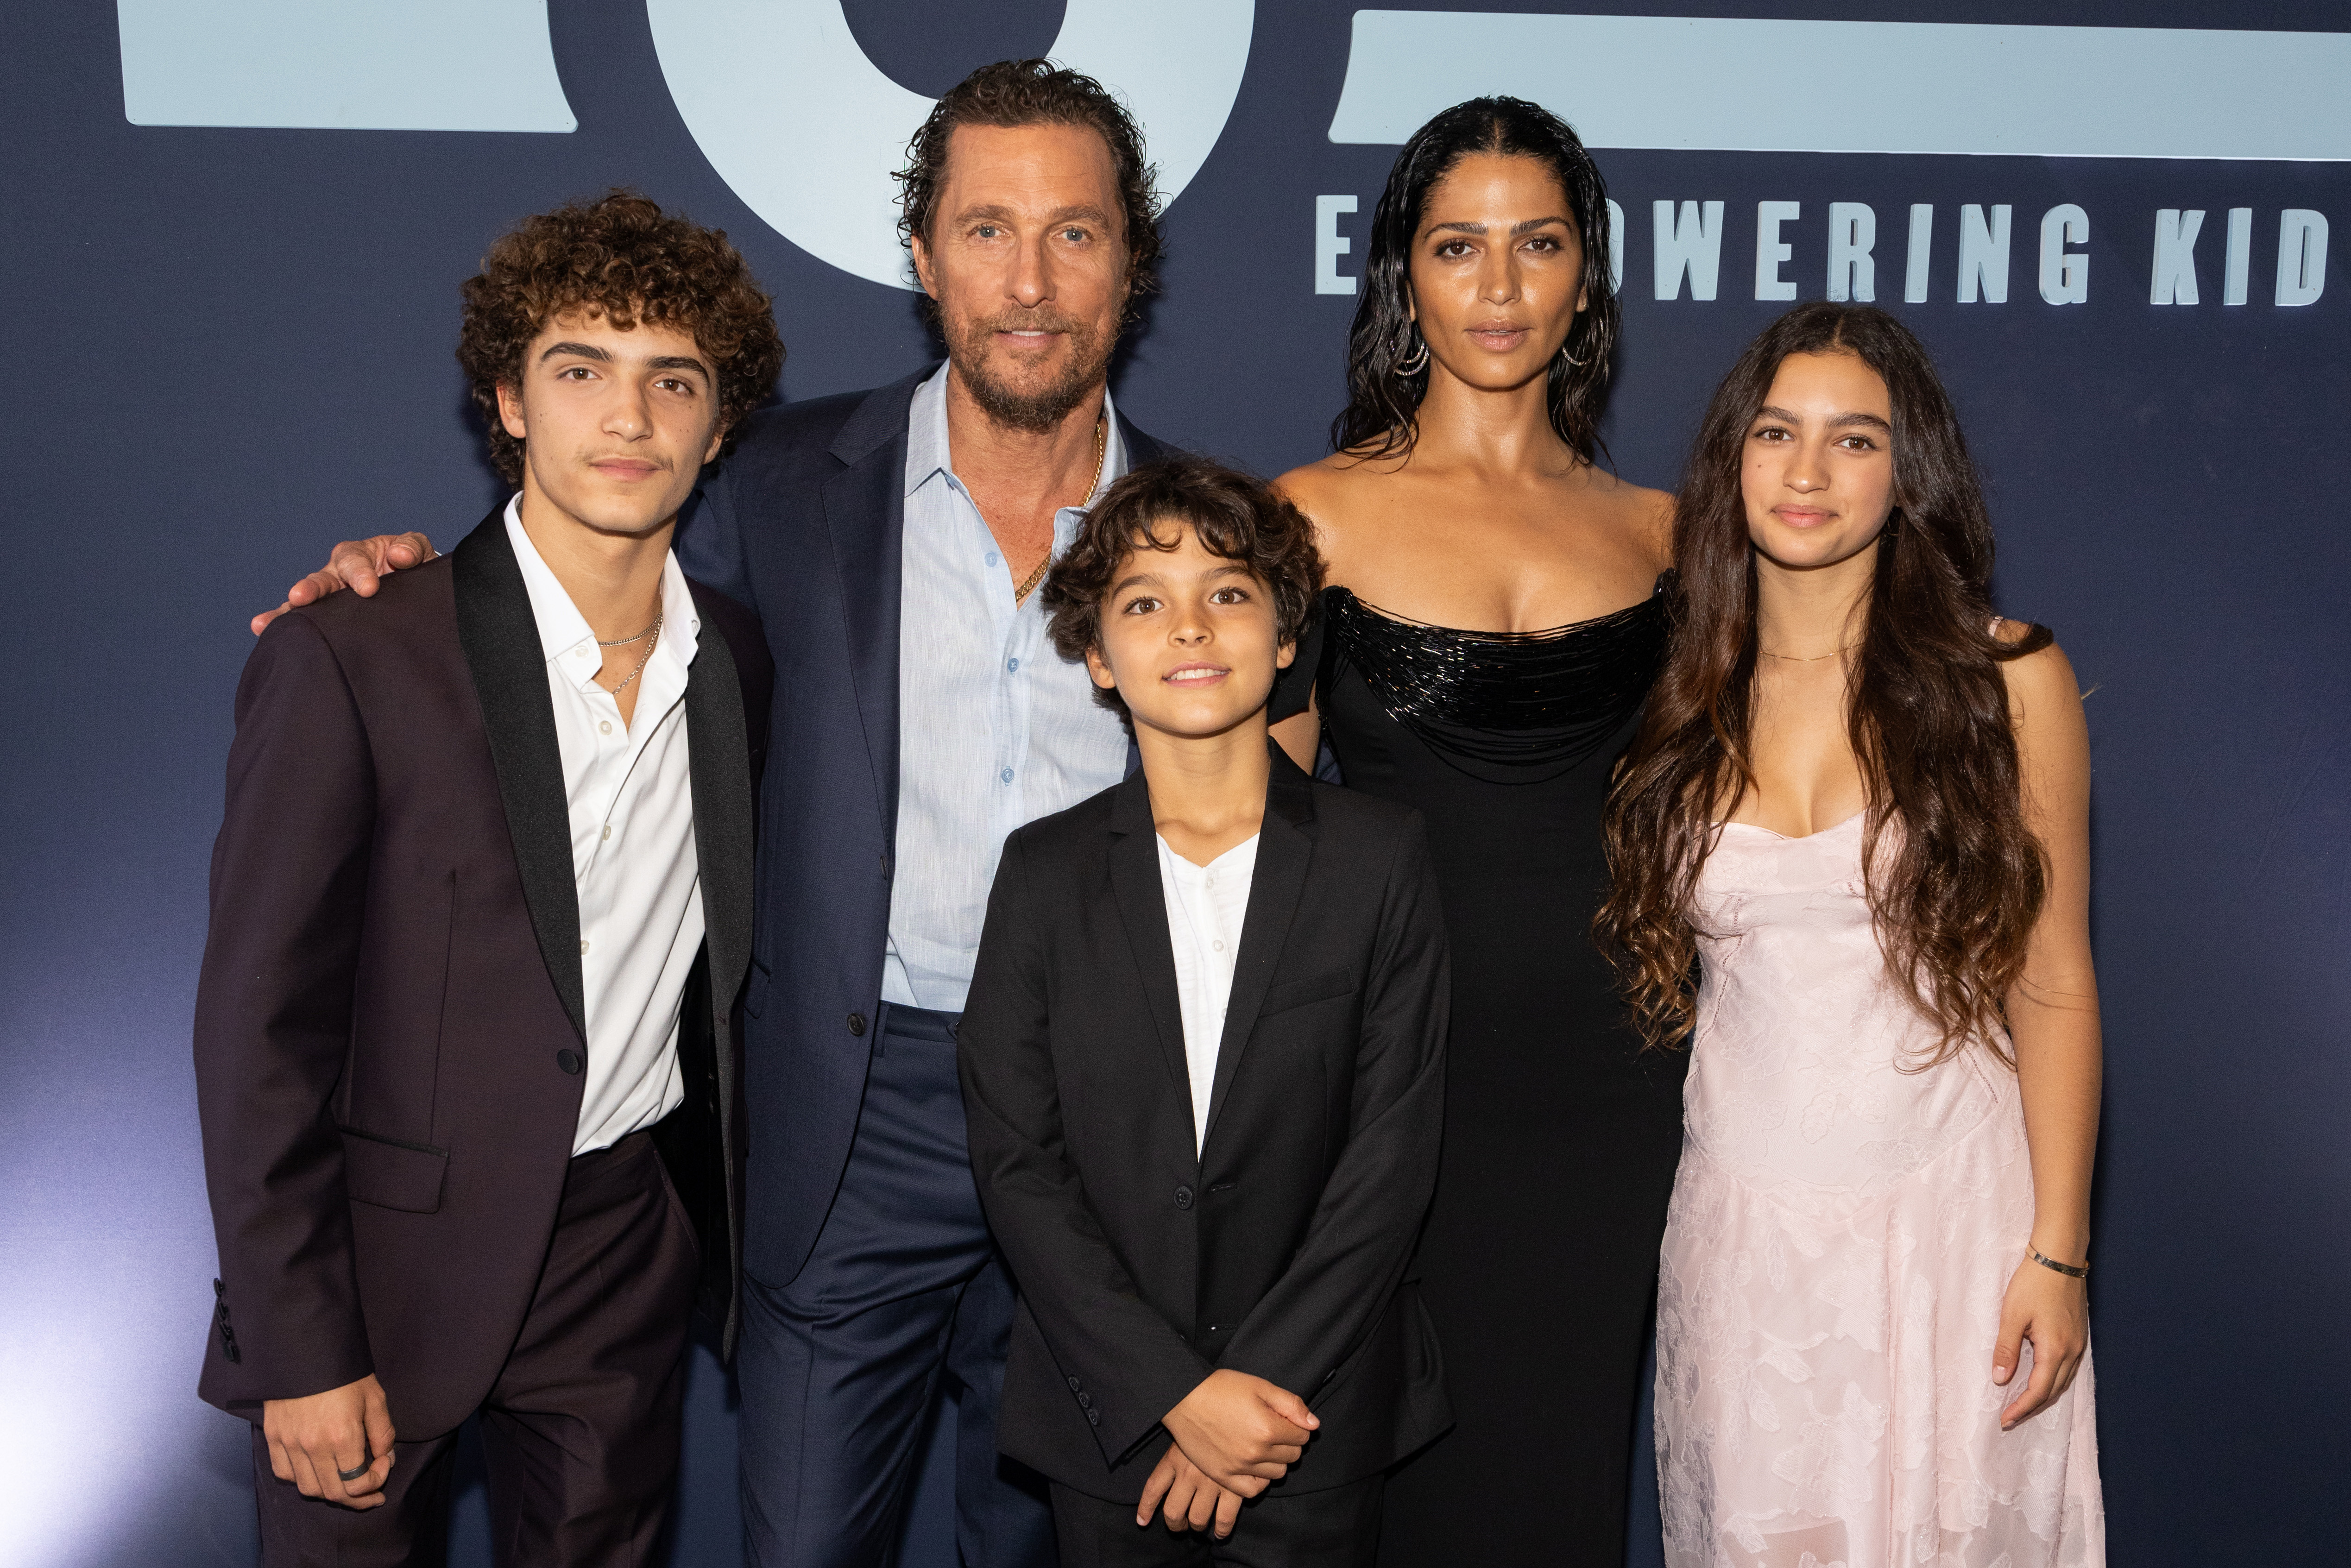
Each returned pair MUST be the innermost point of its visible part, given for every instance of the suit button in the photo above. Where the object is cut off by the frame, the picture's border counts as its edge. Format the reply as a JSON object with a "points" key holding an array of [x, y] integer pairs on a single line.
{"points": [[857, 1023], [1073, 1385], [569, 1060], [1183, 1197], [1093, 1418], [1085, 1401]]}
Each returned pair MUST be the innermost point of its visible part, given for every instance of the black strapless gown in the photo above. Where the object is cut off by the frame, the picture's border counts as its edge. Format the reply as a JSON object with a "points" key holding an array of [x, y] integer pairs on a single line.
{"points": [[1539, 1258]]}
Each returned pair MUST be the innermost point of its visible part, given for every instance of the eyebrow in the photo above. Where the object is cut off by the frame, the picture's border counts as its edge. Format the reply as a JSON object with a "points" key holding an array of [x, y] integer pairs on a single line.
{"points": [[1152, 579], [1524, 225], [1000, 214], [1841, 421], [658, 363]]}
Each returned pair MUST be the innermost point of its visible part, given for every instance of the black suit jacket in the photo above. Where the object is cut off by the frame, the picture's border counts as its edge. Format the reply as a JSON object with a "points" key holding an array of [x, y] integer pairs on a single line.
{"points": [[389, 1025], [804, 523], [1280, 1247]]}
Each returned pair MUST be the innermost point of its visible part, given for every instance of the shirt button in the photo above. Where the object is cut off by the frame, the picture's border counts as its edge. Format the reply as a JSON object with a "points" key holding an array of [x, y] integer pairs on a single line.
{"points": [[583, 945], [608, 829], [603, 726], [1012, 663], [993, 559], [1005, 776], [1218, 945]]}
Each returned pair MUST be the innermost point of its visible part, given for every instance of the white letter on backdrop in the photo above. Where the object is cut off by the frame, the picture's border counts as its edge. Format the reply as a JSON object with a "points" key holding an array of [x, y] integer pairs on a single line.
{"points": [[1692, 241], [1329, 244], [1615, 246], [1922, 237], [1769, 252], [1983, 254], [2064, 273], [2302, 255], [1853, 229], [2236, 273], [2175, 257]]}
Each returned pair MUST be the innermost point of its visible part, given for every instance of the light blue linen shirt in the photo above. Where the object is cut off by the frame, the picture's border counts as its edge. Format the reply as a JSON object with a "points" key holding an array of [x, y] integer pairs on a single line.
{"points": [[994, 729]]}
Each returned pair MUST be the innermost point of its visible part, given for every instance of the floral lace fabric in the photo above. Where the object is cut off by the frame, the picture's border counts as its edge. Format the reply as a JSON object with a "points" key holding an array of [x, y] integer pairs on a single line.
{"points": [[1842, 1234]]}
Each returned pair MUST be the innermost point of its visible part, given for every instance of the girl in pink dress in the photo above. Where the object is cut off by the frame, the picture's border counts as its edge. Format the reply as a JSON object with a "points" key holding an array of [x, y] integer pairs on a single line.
{"points": [[1858, 813]]}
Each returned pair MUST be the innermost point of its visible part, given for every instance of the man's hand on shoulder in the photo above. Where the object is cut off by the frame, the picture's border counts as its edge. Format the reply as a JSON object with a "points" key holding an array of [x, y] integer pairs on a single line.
{"points": [[360, 565], [317, 1441], [1243, 1431]]}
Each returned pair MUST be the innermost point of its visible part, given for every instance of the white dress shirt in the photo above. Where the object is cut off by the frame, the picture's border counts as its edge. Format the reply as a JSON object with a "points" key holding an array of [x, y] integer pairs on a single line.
{"points": [[1206, 905], [631, 795], [994, 728]]}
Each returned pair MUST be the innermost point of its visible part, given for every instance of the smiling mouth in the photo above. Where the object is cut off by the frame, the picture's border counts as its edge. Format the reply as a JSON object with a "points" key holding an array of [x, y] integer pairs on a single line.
{"points": [[1191, 675]]}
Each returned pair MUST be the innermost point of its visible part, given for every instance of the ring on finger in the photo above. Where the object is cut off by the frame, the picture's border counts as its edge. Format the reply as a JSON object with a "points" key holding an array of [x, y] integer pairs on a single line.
{"points": [[347, 1477]]}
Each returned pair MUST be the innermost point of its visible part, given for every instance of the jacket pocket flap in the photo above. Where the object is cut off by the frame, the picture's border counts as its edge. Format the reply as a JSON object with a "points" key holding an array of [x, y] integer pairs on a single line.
{"points": [[755, 988], [1321, 987], [406, 1177]]}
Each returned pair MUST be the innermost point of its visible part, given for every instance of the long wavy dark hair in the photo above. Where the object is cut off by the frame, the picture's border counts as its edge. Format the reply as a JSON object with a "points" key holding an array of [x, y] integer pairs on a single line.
{"points": [[1382, 416], [1963, 879]]}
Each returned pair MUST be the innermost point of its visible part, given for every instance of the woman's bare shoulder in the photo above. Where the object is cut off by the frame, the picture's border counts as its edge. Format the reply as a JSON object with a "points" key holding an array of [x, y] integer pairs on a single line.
{"points": [[1646, 514]]}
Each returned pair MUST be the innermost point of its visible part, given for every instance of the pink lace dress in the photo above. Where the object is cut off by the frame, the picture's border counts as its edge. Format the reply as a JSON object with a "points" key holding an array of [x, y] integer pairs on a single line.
{"points": [[1841, 1235]]}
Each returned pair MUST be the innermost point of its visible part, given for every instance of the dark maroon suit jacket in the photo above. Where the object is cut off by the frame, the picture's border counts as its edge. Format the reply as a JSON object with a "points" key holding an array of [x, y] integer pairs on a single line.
{"points": [[388, 1029]]}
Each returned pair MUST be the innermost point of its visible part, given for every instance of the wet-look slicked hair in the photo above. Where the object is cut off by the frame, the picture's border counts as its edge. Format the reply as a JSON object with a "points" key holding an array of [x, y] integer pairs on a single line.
{"points": [[1234, 515], [620, 256], [1383, 410], [1014, 93], [1955, 876]]}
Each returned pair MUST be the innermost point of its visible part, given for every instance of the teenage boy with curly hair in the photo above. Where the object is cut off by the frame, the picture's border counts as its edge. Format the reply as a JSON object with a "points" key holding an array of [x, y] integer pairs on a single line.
{"points": [[1203, 1068], [481, 908]]}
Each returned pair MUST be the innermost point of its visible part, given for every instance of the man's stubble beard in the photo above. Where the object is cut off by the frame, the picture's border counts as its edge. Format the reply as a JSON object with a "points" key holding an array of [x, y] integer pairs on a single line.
{"points": [[1040, 411]]}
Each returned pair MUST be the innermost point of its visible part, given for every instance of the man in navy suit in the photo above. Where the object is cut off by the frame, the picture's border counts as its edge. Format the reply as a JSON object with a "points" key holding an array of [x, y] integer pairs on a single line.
{"points": [[892, 543]]}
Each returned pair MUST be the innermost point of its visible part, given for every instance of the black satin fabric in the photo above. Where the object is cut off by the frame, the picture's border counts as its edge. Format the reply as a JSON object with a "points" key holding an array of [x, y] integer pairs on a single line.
{"points": [[1539, 1258]]}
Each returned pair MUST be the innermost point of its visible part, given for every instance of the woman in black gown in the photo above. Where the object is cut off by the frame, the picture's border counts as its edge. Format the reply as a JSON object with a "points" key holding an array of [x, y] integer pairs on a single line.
{"points": [[1464, 495]]}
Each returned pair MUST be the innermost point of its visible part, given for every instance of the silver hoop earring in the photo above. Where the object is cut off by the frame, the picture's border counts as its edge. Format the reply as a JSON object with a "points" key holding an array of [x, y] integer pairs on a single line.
{"points": [[1571, 358], [1417, 362]]}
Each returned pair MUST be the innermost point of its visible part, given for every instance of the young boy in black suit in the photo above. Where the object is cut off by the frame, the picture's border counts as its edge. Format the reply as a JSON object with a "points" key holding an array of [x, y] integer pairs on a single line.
{"points": [[1203, 1062]]}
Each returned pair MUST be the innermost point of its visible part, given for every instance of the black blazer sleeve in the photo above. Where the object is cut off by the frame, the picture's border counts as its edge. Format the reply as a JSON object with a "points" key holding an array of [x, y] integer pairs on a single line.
{"points": [[1135, 1365], [273, 1022], [1362, 1236]]}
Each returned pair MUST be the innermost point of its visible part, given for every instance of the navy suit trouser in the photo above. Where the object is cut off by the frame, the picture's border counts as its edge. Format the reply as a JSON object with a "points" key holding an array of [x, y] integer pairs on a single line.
{"points": [[841, 1366]]}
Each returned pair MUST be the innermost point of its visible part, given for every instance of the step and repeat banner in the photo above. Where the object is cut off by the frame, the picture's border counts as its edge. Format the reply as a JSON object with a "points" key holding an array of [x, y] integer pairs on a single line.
{"points": [[233, 232]]}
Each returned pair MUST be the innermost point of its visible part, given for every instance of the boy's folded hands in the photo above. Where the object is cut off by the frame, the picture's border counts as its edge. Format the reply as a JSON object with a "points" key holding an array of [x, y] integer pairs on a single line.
{"points": [[1235, 1434]]}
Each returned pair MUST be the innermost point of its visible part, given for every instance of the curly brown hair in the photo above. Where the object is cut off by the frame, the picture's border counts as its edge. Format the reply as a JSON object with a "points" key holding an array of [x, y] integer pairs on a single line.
{"points": [[1013, 93], [1232, 513], [1963, 879], [622, 257]]}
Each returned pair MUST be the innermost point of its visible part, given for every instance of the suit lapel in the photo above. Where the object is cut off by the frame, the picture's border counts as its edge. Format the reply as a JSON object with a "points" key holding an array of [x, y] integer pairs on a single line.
{"points": [[719, 761], [500, 637], [865, 512], [1285, 848], [1143, 908]]}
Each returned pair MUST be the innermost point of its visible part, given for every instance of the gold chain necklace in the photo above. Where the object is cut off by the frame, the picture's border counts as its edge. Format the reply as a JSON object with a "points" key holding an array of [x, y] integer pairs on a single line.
{"points": [[1101, 454]]}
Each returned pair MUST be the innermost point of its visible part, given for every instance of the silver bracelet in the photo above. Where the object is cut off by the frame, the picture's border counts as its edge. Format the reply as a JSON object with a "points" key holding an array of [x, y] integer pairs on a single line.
{"points": [[2068, 1269]]}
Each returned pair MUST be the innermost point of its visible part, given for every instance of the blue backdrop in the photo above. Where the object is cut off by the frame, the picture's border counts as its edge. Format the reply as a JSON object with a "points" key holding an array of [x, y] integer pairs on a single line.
{"points": [[232, 274]]}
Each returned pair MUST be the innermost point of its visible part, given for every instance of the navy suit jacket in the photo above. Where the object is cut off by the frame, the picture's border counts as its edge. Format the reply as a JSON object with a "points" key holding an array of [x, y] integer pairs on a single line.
{"points": [[802, 521]]}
